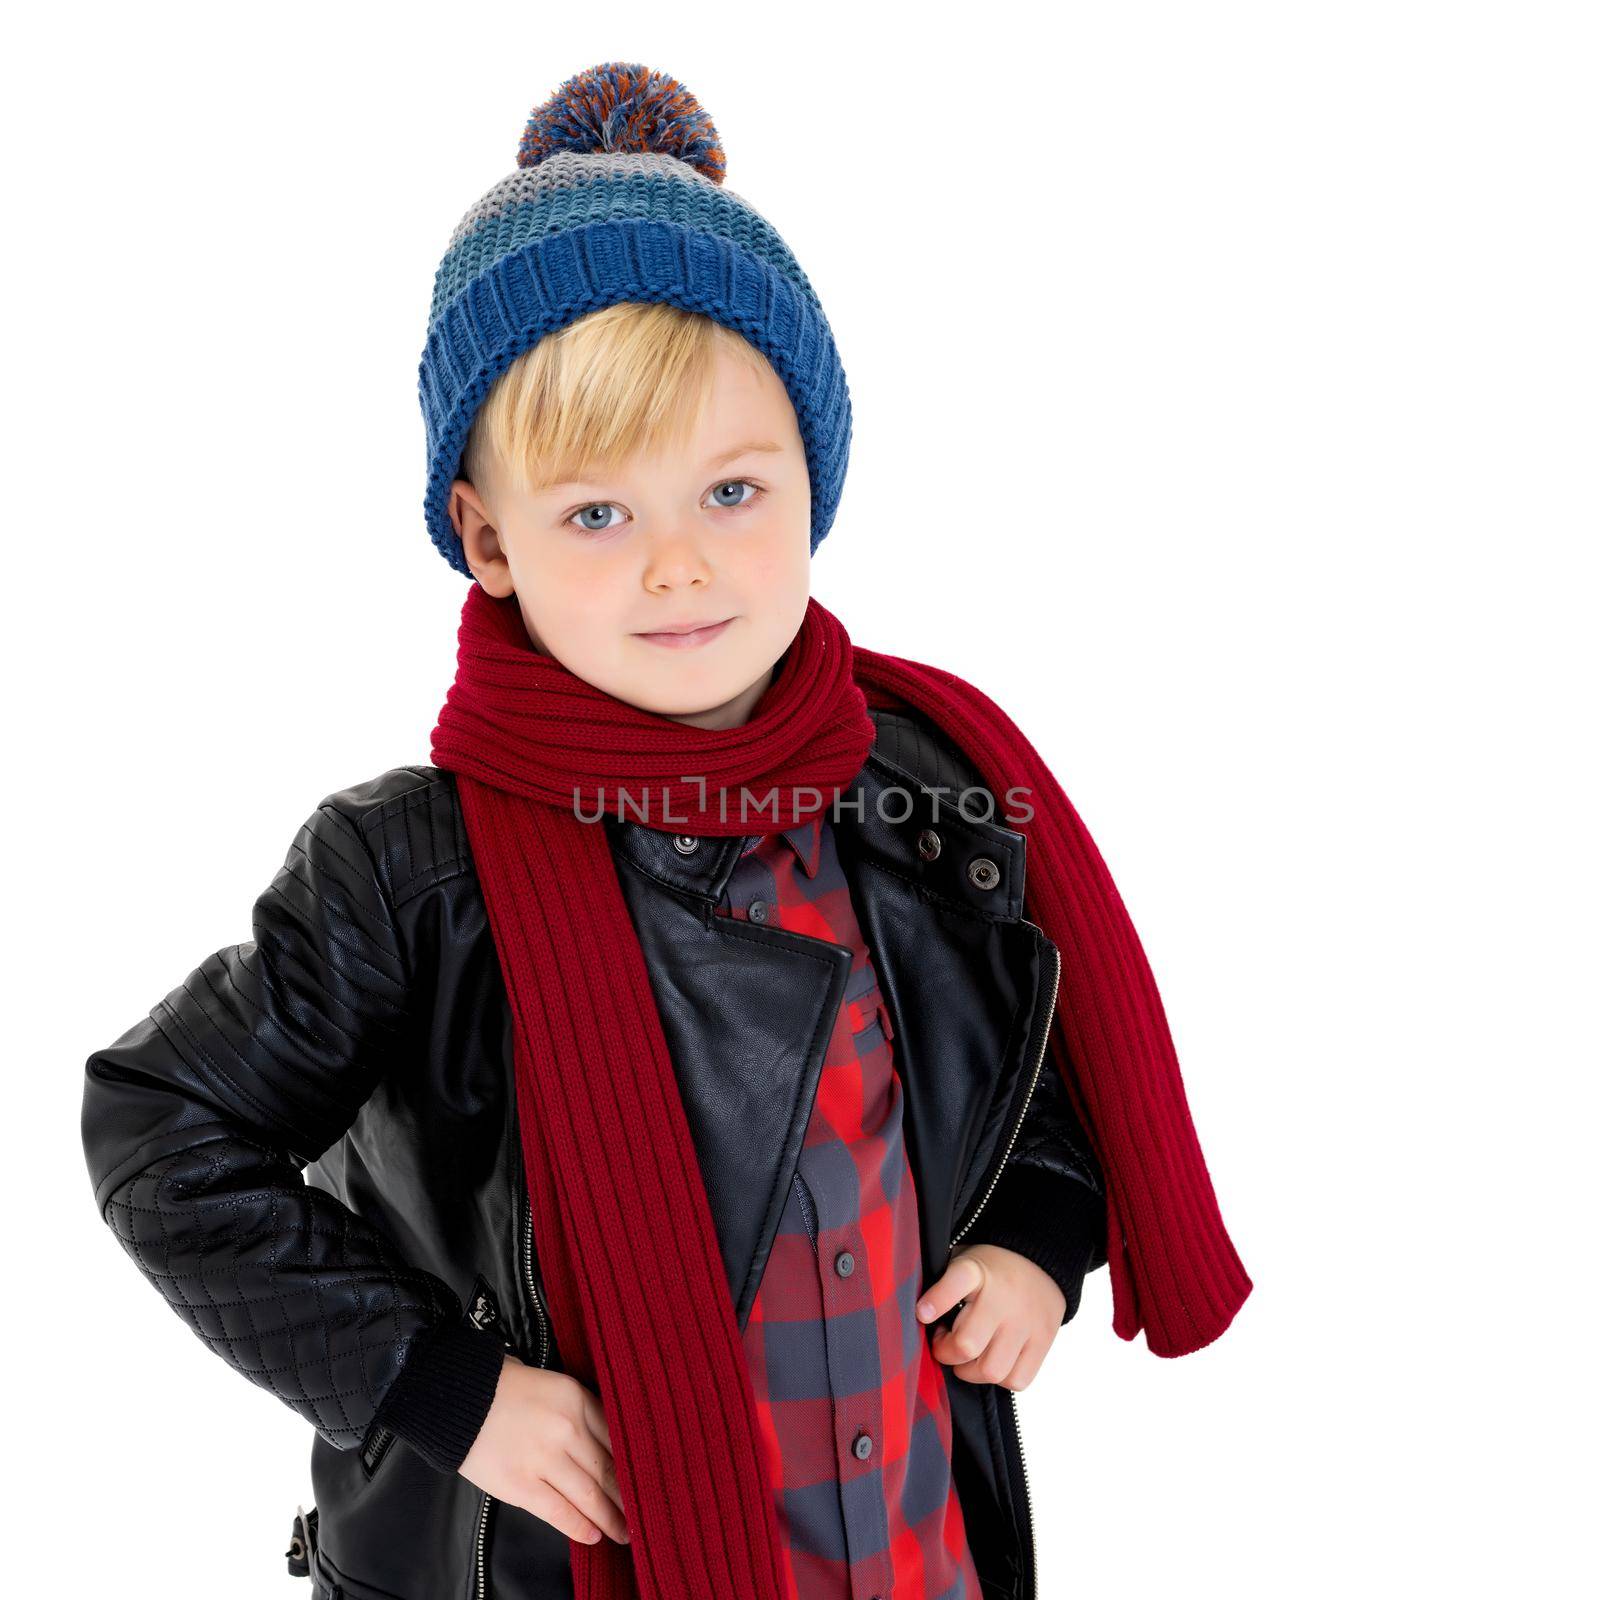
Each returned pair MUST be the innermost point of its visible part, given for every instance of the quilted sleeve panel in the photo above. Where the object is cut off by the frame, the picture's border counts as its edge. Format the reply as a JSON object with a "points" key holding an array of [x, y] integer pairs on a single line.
{"points": [[198, 1121]]}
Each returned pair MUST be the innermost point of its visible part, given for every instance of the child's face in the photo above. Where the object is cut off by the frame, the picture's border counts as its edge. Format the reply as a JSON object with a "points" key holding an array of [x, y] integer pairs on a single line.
{"points": [[713, 531]]}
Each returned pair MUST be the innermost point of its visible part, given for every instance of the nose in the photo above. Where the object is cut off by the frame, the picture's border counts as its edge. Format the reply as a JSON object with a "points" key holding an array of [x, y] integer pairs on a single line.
{"points": [[676, 561]]}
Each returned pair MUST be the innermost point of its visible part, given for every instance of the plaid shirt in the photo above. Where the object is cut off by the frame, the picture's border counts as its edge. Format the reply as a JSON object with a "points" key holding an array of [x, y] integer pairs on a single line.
{"points": [[854, 1415]]}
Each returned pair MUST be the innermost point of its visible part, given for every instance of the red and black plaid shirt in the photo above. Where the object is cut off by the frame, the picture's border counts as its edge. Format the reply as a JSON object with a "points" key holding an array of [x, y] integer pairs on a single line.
{"points": [[854, 1415]]}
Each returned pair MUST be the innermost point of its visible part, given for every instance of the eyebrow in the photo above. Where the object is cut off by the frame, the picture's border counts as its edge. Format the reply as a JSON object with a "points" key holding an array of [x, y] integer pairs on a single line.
{"points": [[751, 448], [743, 450]]}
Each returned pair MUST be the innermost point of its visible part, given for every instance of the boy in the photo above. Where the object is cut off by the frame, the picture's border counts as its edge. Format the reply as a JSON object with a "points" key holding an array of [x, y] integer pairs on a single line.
{"points": [[651, 1053]]}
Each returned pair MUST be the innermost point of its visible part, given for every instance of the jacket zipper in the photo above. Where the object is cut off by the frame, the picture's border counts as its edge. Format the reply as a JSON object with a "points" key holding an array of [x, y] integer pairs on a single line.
{"points": [[533, 1288], [1027, 1496], [1044, 1040], [480, 1571], [1011, 1409]]}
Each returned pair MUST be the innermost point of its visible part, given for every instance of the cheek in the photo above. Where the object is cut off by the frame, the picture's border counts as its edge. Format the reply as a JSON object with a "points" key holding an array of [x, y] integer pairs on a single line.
{"points": [[568, 599], [563, 571], [779, 564]]}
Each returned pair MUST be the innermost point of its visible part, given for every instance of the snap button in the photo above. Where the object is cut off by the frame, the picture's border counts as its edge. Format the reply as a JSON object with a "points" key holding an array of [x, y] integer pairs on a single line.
{"points": [[928, 844], [984, 873], [844, 1263], [758, 910], [862, 1446], [685, 843]]}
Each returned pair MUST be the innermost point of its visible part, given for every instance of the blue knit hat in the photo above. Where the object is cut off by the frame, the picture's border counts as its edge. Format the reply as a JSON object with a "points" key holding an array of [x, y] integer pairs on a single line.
{"points": [[618, 196]]}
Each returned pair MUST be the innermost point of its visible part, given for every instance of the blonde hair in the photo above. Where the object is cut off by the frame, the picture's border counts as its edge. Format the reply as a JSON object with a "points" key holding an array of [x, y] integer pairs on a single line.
{"points": [[631, 377]]}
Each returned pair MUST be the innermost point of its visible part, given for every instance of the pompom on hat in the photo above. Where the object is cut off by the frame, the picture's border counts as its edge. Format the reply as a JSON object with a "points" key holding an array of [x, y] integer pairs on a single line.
{"points": [[618, 195]]}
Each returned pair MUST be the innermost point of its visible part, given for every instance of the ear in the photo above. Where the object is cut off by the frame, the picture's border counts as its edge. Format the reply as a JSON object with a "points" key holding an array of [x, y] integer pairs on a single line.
{"points": [[473, 521]]}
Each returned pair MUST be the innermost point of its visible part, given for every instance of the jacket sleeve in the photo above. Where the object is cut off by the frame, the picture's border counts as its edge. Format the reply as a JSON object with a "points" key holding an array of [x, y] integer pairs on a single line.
{"points": [[1049, 1202], [198, 1123]]}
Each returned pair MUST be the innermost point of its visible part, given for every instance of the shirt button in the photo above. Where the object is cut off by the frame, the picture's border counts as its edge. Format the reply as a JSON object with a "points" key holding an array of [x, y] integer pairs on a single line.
{"points": [[844, 1263], [758, 910], [863, 1446]]}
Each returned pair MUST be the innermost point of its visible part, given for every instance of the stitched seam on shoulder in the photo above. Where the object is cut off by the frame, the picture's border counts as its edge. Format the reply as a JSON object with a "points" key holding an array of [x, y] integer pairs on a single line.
{"points": [[423, 794], [364, 868], [431, 873], [429, 877]]}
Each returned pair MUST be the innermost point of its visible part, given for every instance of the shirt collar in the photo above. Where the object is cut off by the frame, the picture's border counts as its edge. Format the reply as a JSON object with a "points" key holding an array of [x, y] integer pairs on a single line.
{"points": [[805, 837]]}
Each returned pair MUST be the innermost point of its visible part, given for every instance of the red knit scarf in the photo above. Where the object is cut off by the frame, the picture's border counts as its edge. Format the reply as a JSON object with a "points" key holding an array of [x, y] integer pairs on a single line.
{"points": [[638, 1292]]}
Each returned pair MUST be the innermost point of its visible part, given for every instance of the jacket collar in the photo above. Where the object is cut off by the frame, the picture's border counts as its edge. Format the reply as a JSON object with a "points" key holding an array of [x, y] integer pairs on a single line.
{"points": [[886, 815]]}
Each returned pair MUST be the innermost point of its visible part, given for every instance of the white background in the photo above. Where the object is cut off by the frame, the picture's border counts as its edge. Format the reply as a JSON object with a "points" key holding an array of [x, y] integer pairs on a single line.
{"points": [[1225, 406]]}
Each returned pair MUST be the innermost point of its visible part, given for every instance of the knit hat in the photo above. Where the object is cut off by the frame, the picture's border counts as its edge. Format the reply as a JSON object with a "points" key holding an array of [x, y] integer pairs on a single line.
{"points": [[618, 195]]}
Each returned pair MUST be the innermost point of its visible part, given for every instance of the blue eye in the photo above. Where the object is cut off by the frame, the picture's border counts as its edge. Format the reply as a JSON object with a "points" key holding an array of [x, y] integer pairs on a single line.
{"points": [[591, 527], [735, 483], [583, 519]]}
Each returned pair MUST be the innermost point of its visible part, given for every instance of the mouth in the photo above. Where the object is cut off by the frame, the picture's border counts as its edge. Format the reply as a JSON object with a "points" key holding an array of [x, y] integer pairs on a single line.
{"points": [[686, 638]]}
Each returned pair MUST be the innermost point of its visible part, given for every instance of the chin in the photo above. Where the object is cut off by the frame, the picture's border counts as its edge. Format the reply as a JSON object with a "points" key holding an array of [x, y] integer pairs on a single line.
{"points": [[682, 705]]}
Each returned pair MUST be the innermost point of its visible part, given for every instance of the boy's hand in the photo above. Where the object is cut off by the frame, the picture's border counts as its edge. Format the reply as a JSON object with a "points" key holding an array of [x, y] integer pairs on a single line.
{"points": [[545, 1446], [1012, 1315]]}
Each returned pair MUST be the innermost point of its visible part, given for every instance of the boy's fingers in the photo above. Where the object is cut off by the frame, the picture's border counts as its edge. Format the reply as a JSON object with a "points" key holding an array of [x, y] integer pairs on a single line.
{"points": [[595, 1415], [580, 1480], [962, 1278], [605, 1469], [966, 1339]]}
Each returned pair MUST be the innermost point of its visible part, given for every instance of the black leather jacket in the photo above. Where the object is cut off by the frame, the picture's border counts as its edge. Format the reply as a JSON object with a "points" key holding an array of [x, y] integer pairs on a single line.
{"points": [[311, 1145]]}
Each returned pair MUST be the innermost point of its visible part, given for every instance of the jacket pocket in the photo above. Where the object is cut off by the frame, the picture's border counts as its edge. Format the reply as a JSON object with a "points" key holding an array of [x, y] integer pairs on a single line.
{"points": [[401, 1532], [482, 1311]]}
